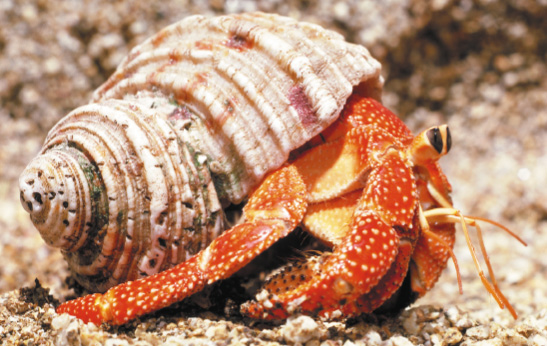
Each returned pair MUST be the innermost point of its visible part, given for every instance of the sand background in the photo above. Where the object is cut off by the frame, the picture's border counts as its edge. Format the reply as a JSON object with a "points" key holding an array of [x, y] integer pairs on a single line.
{"points": [[477, 65]]}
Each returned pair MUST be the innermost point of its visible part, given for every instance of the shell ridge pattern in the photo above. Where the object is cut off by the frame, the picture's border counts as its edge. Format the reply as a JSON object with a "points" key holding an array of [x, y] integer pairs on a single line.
{"points": [[119, 117], [175, 225], [277, 48], [250, 32], [326, 69], [67, 160], [153, 259], [263, 60], [259, 113], [134, 135], [261, 107], [232, 119], [198, 104], [111, 239], [67, 240]]}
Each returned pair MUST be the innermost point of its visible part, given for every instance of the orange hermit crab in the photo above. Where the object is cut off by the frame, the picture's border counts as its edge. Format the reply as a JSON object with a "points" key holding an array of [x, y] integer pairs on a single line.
{"points": [[210, 111]]}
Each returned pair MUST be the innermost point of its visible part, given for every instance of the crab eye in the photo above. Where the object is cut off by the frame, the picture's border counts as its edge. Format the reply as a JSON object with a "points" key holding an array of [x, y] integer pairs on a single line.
{"points": [[435, 138], [430, 144]]}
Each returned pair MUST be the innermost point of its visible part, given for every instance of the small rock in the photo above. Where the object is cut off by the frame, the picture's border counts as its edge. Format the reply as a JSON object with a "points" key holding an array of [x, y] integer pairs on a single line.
{"points": [[452, 336], [69, 335], [464, 322], [410, 324], [300, 329], [218, 332], [61, 321], [372, 338], [537, 340], [400, 341], [511, 337], [116, 342], [489, 342], [314, 342], [478, 333]]}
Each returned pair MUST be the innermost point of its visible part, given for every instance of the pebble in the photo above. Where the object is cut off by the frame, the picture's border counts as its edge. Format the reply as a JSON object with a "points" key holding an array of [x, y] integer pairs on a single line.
{"points": [[61, 321], [217, 332], [478, 333], [372, 338], [300, 329], [537, 340], [452, 336], [399, 341]]}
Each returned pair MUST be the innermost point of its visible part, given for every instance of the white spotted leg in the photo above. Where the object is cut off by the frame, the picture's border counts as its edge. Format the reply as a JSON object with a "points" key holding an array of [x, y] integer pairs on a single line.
{"points": [[273, 210]]}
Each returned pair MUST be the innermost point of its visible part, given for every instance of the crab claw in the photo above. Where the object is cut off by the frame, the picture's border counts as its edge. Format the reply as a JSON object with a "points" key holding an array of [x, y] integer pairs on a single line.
{"points": [[353, 269]]}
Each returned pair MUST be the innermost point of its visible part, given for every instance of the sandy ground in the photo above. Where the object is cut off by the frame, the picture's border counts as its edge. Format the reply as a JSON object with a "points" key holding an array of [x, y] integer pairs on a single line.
{"points": [[477, 65]]}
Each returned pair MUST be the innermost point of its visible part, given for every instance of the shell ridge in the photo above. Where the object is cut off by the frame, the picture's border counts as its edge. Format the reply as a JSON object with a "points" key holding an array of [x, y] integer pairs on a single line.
{"points": [[117, 140], [78, 120], [73, 121], [270, 41], [248, 121]]}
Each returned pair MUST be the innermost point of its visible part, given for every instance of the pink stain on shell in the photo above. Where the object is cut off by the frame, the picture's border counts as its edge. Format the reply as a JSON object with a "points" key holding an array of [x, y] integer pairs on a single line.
{"points": [[300, 102], [180, 113]]}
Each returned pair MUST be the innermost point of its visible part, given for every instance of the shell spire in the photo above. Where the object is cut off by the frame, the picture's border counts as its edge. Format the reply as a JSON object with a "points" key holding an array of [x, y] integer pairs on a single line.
{"points": [[135, 182]]}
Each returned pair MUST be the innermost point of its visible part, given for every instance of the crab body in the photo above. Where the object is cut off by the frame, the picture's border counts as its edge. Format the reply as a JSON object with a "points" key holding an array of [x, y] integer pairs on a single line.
{"points": [[257, 108]]}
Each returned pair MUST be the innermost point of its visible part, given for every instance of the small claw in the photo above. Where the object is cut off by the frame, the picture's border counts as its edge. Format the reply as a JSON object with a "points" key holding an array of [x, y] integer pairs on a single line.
{"points": [[390, 282], [430, 256], [356, 265], [282, 281]]}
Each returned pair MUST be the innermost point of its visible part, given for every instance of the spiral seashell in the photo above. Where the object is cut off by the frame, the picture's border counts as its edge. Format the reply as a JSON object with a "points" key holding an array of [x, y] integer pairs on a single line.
{"points": [[136, 181]]}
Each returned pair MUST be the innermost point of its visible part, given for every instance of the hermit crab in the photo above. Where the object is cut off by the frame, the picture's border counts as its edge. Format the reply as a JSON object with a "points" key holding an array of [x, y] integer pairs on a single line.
{"points": [[258, 109]]}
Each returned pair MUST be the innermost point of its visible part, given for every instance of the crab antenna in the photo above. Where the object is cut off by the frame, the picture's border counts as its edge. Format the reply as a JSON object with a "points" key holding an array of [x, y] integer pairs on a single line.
{"points": [[495, 291], [486, 257], [453, 215], [497, 224], [449, 216]]}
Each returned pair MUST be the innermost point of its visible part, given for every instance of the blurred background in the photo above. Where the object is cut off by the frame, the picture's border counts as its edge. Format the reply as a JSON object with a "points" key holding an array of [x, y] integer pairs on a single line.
{"points": [[477, 65]]}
